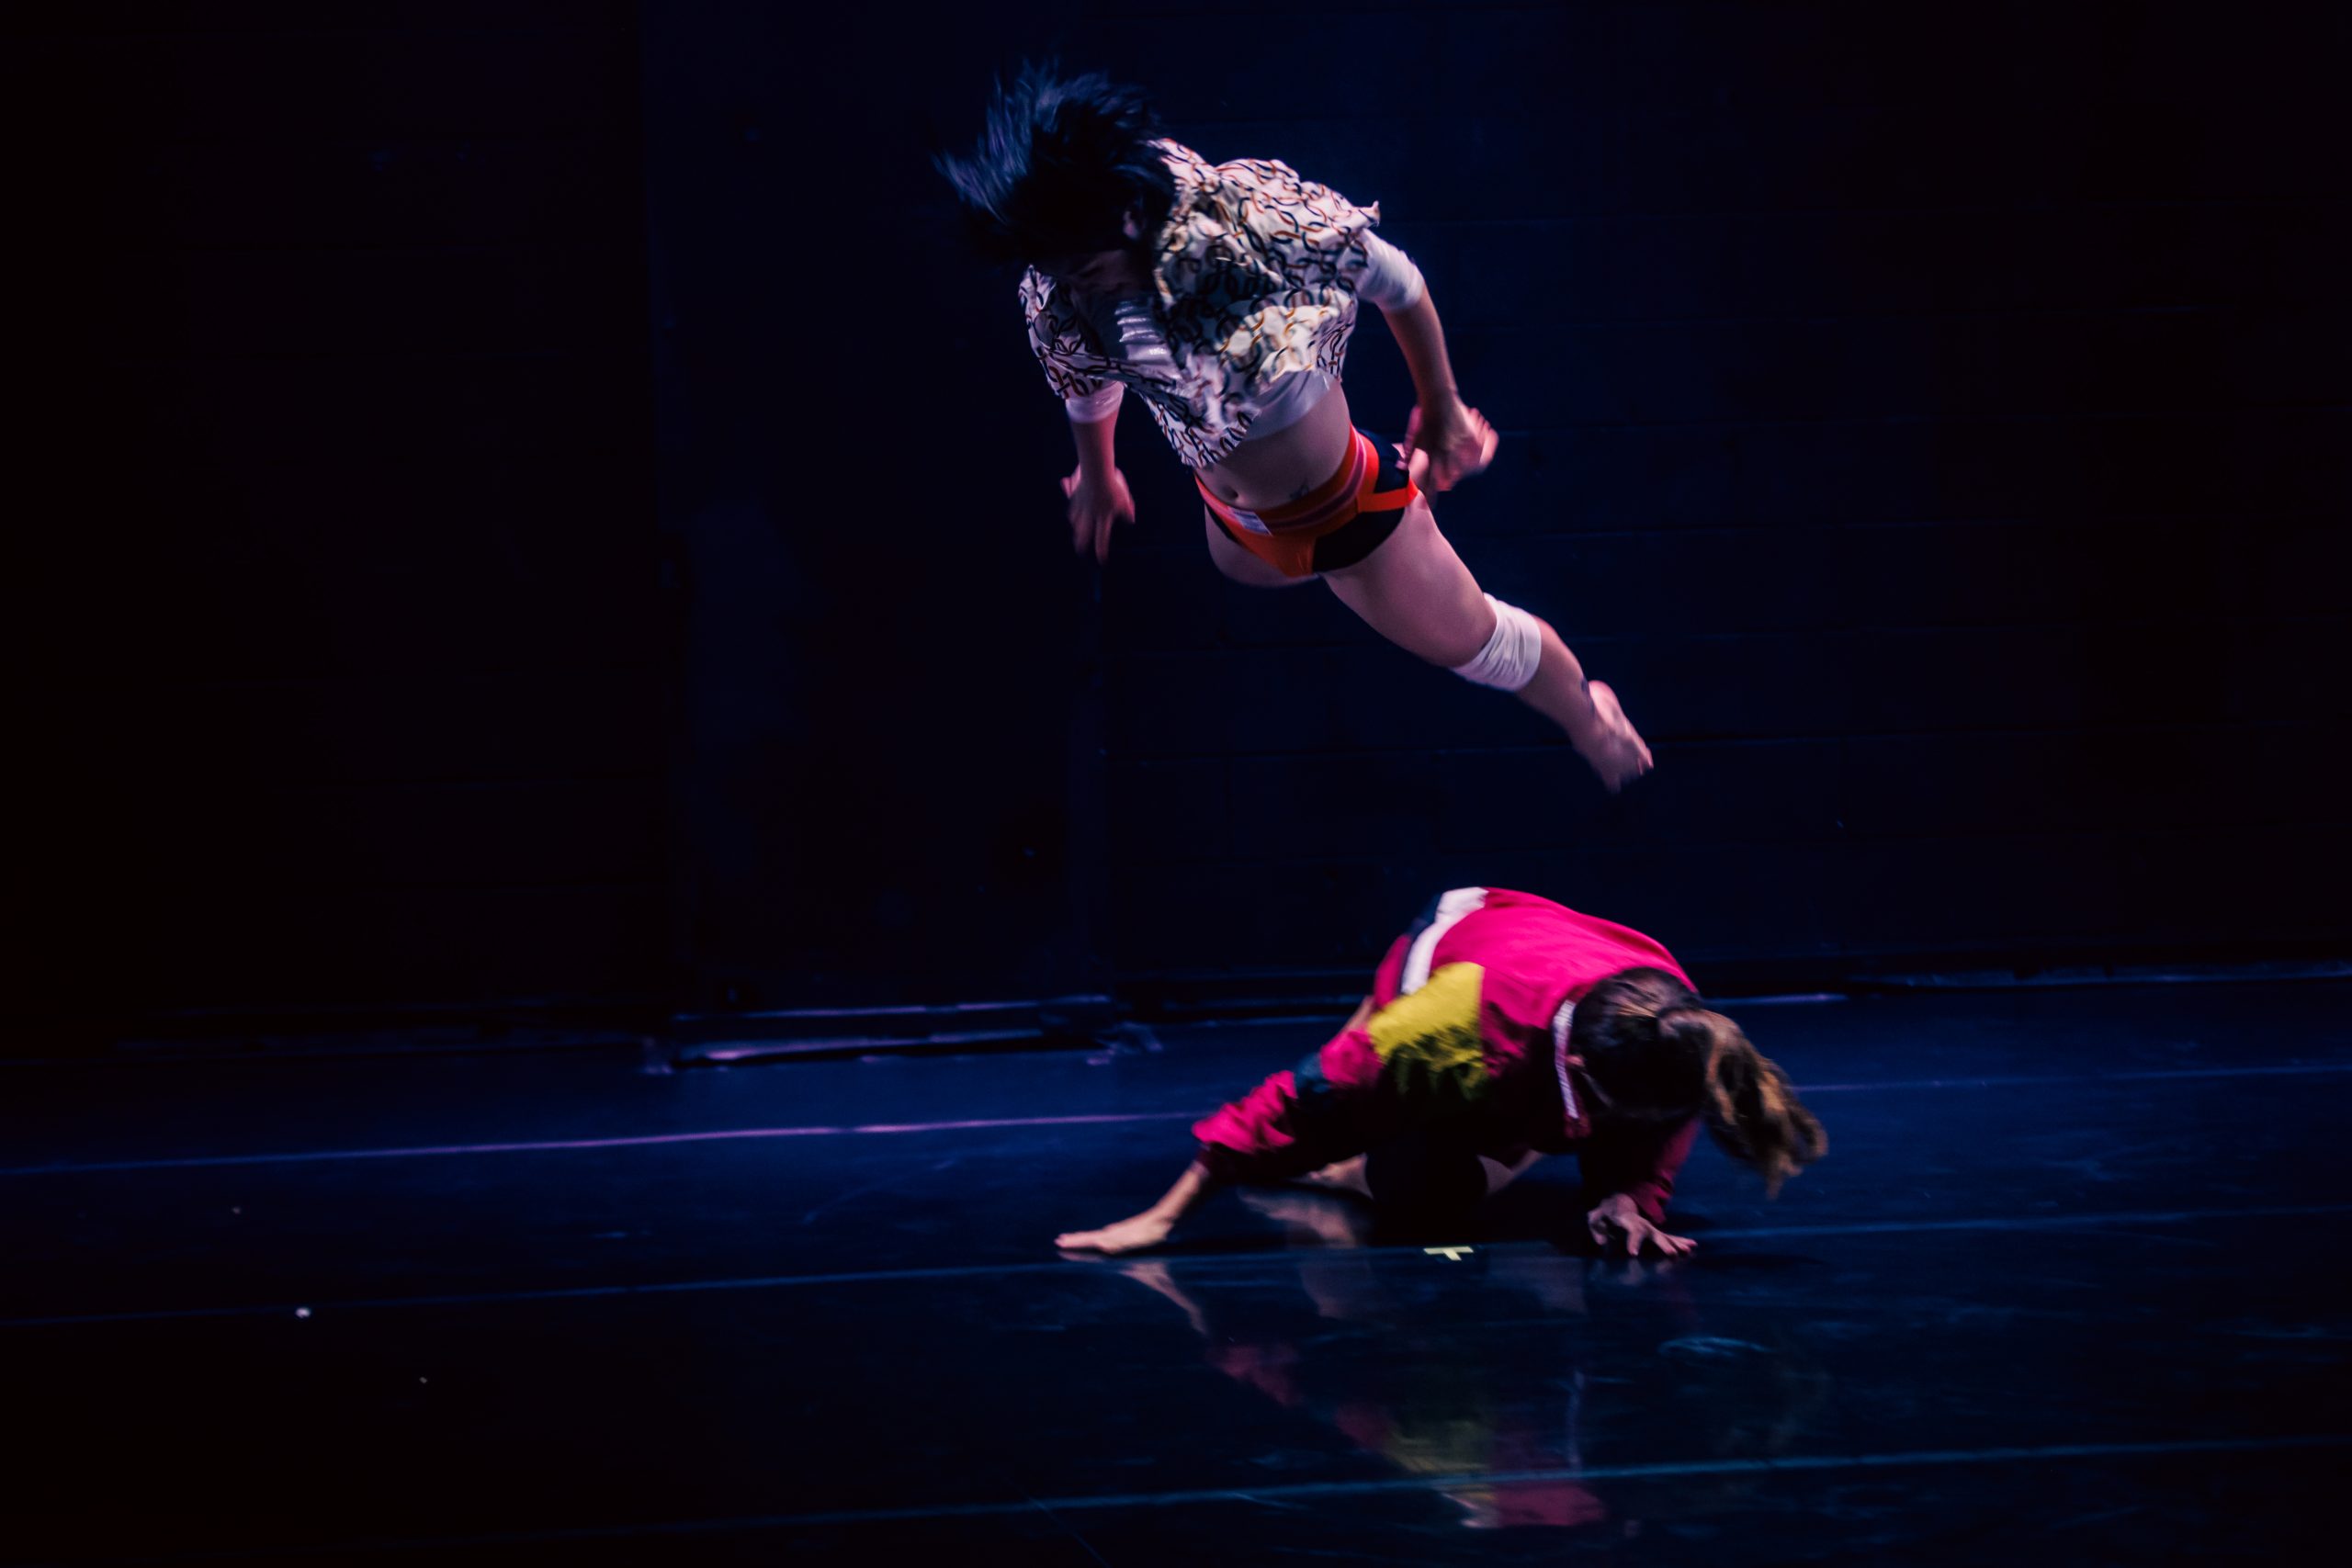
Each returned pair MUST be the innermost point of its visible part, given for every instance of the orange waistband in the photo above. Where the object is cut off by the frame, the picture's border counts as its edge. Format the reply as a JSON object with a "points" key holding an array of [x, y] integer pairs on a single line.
{"points": [[1329, 505]]}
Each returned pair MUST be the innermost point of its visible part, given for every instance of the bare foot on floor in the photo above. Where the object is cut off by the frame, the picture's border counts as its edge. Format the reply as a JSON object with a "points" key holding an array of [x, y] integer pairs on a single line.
{"points": [[1343, 1176]]}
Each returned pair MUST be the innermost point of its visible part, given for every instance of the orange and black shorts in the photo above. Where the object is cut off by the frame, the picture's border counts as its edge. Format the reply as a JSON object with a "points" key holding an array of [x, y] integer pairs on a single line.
{"points": [[1336, 524]]}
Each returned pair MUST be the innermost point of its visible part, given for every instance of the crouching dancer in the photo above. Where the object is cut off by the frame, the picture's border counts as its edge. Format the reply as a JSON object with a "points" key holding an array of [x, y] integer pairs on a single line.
{"points": [[1503, 1027]]}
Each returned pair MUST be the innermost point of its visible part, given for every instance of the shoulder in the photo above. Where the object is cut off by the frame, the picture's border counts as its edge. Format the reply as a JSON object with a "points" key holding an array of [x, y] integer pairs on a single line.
{"points": [[1273, 186], [1263, 180], [1187, 165], [1253, 179]]}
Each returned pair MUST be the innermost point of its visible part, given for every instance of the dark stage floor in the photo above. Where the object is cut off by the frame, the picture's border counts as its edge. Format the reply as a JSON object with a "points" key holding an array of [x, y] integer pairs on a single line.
{"points": [[2070, 1287]]}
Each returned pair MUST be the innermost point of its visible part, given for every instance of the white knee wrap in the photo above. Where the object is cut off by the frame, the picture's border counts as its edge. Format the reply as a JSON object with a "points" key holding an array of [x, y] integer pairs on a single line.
{"points": [[1507, 661]]}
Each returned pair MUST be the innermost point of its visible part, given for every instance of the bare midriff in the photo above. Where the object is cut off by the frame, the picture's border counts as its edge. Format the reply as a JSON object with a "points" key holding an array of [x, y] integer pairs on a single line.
{"points": [[1272, 470]]}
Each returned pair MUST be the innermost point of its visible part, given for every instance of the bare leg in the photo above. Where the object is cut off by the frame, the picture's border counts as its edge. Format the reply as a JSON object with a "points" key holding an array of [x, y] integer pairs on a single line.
{"points": [[1415, 591]]}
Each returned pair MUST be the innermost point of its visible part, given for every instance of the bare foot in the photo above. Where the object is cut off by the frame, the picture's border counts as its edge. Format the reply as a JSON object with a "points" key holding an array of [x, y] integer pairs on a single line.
{"points": [[1340, 1176], [1128, 1235], [1611, 746]]}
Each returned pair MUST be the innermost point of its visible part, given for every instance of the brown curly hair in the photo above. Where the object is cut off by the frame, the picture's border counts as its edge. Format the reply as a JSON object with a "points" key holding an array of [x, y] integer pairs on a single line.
{"points": [[1649, 1046]]}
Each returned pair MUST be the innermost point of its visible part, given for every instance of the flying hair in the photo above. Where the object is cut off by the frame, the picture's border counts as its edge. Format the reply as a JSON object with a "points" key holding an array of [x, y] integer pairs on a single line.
{"points": [[1060, 161]]}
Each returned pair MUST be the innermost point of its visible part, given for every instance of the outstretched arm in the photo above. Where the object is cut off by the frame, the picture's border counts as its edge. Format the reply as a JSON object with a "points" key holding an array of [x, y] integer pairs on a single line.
{"points": [[1420, 1057], [1265, 1136], [1150, 1227]]}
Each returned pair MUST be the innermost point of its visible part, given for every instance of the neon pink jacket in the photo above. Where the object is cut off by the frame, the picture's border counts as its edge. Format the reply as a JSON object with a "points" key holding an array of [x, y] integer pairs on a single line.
{"points": [[1473, 1007]]}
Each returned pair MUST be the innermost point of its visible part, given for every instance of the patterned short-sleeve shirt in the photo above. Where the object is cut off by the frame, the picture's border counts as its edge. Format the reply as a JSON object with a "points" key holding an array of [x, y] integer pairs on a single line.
{"points": [[1254, 276]]}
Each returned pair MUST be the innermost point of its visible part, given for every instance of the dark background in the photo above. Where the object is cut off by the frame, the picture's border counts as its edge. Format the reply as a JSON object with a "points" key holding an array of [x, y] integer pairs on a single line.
{"points": [[524, 510]]}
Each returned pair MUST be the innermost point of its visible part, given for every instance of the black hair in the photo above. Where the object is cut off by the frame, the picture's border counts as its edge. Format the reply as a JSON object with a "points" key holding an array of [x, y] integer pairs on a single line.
{"points": [[1059, 164]]}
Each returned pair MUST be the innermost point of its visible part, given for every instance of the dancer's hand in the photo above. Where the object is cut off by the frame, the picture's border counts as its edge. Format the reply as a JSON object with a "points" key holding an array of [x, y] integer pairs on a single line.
{"points": [[1096, 503], [1610, 743], [1147, 1229], [1448, 444], [1616, 1219]]}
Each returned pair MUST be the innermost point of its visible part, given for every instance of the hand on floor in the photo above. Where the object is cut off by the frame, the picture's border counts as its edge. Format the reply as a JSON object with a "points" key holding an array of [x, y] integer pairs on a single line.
{"points": [[1615, 1220]]}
